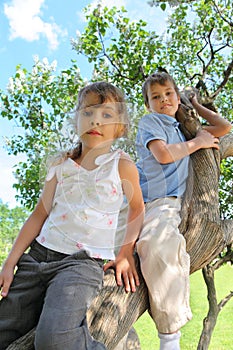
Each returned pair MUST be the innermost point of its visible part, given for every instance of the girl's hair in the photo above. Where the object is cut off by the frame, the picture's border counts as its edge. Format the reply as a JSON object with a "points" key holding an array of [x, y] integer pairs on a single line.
{"points": [[104, 91], [157, 78]]}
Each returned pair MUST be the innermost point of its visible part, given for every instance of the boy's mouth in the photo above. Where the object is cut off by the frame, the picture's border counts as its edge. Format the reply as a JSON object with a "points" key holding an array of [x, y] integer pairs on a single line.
{"points": [[166, 106]]}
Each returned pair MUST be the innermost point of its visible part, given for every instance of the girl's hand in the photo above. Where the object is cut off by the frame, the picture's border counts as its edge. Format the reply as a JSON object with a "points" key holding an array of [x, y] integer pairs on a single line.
{"points": [[6, 278], [125, 270]]}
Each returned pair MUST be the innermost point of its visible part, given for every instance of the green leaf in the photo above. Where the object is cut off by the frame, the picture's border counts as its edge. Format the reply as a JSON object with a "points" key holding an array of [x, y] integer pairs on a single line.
{"points": [[163, 6]]}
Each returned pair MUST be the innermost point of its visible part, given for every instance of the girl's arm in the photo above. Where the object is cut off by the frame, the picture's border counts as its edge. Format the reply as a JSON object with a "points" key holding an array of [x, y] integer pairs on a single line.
{"points": [[27, 234], [166, 153], [124, 263], [218, 125]]}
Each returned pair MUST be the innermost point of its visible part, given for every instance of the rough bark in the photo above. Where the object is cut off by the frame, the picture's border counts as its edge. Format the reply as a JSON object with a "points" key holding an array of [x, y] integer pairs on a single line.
{"points": [[113, 312]]}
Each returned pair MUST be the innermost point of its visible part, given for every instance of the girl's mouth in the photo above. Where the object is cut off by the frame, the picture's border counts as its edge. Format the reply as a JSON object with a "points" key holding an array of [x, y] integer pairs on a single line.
{"points": [[94, 132]]}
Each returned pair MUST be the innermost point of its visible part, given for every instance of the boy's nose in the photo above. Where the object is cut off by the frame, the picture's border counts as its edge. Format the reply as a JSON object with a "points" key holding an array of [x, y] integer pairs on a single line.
{"points": [[163, 98]]}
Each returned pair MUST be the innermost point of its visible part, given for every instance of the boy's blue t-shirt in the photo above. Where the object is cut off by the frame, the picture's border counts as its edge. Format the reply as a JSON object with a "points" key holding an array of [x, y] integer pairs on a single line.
{"points": [[160, 180]]}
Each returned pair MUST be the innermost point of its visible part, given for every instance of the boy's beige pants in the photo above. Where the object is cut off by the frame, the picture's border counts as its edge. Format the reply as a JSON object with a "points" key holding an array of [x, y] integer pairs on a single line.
{"points": [[165, 264]]}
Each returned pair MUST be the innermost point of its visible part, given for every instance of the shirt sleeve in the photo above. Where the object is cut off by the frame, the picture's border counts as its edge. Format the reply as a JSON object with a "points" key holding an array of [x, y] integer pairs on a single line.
{"points": [[51, 173], [151, 128]]}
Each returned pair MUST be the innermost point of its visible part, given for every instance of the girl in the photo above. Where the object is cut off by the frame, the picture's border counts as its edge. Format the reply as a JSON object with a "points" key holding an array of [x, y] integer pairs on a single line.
{"points": [[71, 232]]}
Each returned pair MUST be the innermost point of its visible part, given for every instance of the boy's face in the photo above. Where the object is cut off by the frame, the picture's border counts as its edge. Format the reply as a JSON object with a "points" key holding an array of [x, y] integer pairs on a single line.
{"points": [[163, 99]]}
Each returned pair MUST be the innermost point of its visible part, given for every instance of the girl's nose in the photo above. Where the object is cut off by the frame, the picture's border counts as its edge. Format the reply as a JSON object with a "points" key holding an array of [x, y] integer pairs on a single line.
{"points": [[96, 118], [95, 123]]}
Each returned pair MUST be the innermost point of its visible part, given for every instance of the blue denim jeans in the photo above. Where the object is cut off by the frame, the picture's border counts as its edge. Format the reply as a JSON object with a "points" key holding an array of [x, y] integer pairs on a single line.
{"points": [[52, 291]]}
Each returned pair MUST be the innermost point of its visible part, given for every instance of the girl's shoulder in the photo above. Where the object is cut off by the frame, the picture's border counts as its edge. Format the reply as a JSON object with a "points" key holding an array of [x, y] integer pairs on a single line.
{"points": [[114, 155], [123, 156], [125, 160], [56, 167]]}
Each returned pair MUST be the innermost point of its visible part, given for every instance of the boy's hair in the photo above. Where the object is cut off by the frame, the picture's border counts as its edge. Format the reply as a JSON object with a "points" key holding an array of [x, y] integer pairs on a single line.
{"points": [[104, 91], [157, 78]]}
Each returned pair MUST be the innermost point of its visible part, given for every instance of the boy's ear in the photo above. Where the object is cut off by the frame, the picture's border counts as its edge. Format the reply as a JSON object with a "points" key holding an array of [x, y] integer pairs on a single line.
{"points": [[148, 108]]}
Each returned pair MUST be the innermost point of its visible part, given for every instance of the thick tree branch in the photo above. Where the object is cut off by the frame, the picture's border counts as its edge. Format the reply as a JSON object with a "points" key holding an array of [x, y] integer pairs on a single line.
{"points": [[227, 74]]}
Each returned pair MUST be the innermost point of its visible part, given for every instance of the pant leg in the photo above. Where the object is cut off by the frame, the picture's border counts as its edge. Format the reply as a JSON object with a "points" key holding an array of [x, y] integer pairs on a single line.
{"points": [[62, 324], [165, 265], [20, 310]]}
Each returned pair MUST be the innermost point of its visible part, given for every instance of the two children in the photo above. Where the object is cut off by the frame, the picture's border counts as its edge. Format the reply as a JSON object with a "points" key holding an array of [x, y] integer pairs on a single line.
{"points": [[72, 231], [163, 156]]}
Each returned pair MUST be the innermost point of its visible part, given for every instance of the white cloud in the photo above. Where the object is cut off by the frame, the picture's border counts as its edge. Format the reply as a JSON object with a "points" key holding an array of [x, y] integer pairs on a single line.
{"points": [[25, 20]]}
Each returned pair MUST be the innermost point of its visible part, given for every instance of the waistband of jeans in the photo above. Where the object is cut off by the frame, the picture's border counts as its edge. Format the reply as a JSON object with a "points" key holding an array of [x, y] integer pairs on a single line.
{"points": [[36, 246]]}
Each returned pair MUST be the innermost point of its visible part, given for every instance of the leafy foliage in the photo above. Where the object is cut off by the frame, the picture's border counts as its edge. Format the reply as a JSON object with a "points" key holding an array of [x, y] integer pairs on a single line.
{"points": [[226, 189], [11, 221], [195, 47], [38, 102]]}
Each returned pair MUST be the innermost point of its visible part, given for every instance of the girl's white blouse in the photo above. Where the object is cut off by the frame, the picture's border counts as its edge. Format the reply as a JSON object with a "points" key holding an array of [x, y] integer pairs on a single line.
{"points": [[85, 208]]}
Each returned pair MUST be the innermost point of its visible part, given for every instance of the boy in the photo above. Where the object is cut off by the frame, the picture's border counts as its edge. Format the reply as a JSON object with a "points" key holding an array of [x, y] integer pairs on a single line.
{"points": [[163, 168]]}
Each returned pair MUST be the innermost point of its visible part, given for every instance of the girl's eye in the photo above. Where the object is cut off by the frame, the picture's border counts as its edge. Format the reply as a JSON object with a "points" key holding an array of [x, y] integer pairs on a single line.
{"points": [[87, 113], [107, 115], [156, 97]]}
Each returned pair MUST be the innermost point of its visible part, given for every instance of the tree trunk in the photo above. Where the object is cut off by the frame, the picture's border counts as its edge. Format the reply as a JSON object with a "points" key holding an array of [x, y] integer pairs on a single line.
{"points": [[209, 322], [113, 312]]}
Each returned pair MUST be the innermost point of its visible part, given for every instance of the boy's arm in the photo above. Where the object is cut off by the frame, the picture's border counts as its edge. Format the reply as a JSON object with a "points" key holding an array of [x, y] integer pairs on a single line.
{"points": [[166, 153], [28, 232], [218, 125], [124, 263]]}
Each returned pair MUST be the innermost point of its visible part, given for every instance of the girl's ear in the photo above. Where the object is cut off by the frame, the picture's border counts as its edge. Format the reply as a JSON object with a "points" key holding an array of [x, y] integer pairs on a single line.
{"points": [[120, 130]]}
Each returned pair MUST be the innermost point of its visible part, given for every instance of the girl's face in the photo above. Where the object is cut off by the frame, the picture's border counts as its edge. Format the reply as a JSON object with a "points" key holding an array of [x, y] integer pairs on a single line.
{"points": [[98, 124], [163, 99]]}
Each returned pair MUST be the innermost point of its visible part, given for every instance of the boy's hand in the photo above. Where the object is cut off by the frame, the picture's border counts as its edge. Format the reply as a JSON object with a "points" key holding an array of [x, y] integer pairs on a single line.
{"points": [[207, 139], [6, 278], [193, 98], [125, 268]]}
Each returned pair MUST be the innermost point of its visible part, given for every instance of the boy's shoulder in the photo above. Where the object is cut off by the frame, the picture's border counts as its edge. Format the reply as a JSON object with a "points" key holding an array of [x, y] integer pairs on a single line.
{"points": [[161, 119], [150, 120]]}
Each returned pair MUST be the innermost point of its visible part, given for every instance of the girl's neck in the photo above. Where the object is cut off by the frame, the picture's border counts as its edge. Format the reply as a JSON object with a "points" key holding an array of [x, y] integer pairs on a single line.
{"points": [[88, 157]]}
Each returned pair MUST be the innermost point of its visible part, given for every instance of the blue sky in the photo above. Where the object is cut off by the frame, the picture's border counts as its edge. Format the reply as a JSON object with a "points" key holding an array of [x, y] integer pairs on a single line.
{"points": [[44, 28]]}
